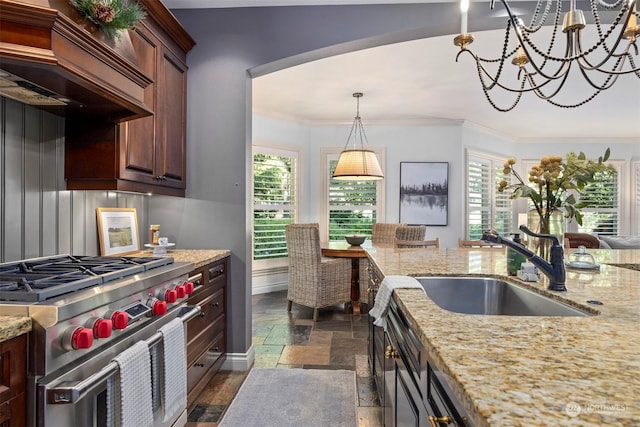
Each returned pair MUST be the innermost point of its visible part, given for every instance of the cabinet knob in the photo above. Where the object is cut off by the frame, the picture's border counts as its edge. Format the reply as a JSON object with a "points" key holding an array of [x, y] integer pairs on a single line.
{"points": [[390, 353], [202, 314], [215, 304], [434, 421]]}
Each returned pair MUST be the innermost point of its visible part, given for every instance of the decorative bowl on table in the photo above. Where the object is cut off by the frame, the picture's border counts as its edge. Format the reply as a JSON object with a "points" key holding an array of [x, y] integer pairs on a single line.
{"points": [[355, 239]]}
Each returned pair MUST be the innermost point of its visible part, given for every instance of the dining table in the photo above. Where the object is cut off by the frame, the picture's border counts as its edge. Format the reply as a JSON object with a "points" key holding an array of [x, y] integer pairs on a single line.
{"points": [[342, 249]]}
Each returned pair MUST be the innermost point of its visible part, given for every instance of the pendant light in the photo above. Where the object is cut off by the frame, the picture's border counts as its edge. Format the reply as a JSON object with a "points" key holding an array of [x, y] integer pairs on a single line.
{"points": [[357, 163], [543, 63]]}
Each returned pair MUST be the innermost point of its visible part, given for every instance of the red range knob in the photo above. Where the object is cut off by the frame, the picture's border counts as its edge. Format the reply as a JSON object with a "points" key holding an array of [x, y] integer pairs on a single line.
{"points": [[188, 287], [159, 308], [119, 319], [82, 338], [180, 291], [101, 327], [168, 295]]}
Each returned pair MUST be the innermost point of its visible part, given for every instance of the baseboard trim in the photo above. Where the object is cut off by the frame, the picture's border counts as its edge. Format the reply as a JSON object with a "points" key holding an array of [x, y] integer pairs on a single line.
{"points": [[271, 287], [239, 361]]}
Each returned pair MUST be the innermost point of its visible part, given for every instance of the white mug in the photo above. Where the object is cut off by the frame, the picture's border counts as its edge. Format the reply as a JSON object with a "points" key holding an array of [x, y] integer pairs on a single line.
{"points": [[163, 241]]}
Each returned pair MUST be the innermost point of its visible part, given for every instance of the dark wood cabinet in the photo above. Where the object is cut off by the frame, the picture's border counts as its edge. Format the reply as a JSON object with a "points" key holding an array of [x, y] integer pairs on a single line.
{"points": [[206, 334], [146, 154], [13, 374]]}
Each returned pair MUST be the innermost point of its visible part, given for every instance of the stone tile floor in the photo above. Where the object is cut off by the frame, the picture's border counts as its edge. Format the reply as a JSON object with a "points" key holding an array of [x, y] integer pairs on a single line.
{"points": [[292, 340]]}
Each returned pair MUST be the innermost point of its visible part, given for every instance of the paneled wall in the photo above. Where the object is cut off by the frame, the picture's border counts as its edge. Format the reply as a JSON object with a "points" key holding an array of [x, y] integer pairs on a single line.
{"points": [[38, 216]]}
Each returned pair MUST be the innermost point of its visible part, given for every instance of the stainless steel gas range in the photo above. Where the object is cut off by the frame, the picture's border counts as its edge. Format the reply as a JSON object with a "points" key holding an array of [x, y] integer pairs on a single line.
{"points": [[85, 311]]}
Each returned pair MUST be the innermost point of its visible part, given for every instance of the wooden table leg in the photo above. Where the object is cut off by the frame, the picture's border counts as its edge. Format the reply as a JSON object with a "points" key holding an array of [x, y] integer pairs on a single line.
{"points": [[355, 285]]}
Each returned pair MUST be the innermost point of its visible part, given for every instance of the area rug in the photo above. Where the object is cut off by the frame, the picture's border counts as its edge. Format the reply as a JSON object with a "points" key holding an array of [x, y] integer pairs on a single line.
{"points": [[294, 397]]}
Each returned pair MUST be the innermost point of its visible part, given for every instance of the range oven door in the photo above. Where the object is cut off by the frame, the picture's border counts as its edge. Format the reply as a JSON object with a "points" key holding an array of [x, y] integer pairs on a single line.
{"points": [[78, 396]]}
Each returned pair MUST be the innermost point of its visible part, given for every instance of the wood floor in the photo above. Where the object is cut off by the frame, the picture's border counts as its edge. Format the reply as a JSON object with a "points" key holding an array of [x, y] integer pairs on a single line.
{"points": [[292, 340]]}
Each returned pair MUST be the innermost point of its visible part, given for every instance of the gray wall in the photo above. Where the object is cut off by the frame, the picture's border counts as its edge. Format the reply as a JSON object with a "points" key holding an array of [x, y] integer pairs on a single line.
{"points": [[233, 45], [38, 217]]}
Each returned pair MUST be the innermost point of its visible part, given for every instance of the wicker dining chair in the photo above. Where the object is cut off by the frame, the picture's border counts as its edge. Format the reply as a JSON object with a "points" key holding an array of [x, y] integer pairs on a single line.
{"points": [[434, 243], [381, 232], [384, 232], [478, 244], [411, 232], [314, 281], [412, 236]]}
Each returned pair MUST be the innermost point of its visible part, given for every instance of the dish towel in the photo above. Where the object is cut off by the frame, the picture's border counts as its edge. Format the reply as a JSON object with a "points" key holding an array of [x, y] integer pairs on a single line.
{"points": [[133, 381], [174, 366], [381, 305]]}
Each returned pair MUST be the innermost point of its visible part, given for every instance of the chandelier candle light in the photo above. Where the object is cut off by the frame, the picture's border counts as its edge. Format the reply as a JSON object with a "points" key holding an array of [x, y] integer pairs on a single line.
{"points": [[544, 68], [357, 163]]}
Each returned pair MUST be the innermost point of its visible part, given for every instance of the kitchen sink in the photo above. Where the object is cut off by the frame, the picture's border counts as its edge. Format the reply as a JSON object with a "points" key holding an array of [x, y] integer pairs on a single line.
{"points": [[489, 296]]}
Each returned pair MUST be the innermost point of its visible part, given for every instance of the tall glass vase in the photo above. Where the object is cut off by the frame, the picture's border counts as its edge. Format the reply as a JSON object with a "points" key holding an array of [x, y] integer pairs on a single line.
{"points": [[549, 223]]}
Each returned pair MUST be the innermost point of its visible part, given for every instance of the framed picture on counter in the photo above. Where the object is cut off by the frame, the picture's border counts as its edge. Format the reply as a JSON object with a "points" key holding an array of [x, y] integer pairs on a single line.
{"points": [[424, 193], [118, 231]]}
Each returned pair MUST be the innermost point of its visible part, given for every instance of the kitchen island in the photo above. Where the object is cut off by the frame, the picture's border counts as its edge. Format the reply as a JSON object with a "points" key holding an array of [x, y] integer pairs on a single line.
{"points": [[531, 371]]}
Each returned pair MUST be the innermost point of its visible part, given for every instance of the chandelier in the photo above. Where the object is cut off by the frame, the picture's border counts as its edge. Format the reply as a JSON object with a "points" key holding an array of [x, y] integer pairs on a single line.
{"points": [[544, 68], [357, 163]]}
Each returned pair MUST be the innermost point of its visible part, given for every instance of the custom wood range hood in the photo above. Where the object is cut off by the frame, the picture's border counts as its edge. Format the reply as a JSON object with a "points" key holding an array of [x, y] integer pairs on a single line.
{"points": [[123, 99], [54, 58]]}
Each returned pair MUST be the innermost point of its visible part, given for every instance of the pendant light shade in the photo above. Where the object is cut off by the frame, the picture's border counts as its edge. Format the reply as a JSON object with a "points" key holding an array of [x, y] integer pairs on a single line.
{"points": [[357, 163]]}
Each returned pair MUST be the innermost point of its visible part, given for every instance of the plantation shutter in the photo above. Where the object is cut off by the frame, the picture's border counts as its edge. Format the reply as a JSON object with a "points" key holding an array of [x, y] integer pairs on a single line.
{"points": [[487, 208], [637, 198], [602, 196], [274, 200], [479, 197], [352, 206]]}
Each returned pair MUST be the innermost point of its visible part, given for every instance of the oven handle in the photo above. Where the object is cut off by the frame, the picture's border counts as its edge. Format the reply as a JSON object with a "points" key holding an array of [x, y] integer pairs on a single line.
{"points": [[73, 394]]}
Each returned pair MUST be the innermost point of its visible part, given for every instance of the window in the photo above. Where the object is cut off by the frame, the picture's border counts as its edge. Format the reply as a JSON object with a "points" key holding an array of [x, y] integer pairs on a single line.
{"points": [[274, 200], [635, 226], [353, 206], [603, 196], [606, 214], [487, 208]]}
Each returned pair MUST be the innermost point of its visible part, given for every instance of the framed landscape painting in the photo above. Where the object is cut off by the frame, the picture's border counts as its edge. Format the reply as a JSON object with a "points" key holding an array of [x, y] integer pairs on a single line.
{"points": [[424, 193], [118, 231]]}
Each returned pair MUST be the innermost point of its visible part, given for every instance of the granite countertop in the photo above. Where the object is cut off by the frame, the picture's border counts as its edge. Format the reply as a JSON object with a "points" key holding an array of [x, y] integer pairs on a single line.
{"points": [[532, 371], [198, 257], [12, 326]]}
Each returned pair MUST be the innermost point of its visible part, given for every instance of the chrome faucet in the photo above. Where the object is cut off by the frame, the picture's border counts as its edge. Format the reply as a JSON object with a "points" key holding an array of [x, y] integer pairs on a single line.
{"points": [[554, 270]]}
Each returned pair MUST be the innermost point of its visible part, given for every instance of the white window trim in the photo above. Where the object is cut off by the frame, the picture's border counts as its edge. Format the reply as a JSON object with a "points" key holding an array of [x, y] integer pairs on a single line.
{"points": [[634, 198], [329, 153], [262, 265]]}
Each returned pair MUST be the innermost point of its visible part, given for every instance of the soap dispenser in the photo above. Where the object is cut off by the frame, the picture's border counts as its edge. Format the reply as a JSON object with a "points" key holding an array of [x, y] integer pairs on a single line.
{"points": [[514, 258]]}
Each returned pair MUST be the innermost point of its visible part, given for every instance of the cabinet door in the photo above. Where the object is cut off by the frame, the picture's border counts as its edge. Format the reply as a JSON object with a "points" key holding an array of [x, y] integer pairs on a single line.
{"points": [[137, 137], [13, 374], [171, 107], [389, 387]]}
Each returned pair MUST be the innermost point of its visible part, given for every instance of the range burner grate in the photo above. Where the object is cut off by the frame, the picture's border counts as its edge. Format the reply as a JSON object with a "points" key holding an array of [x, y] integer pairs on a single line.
{"points": [[39, 279]]}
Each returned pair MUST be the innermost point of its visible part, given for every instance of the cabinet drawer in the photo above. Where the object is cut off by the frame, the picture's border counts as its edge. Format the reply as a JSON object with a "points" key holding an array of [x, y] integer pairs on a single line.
{"points": [[212, 307], [206, 361], [217, 275], [13, 412], [206, 339]]}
